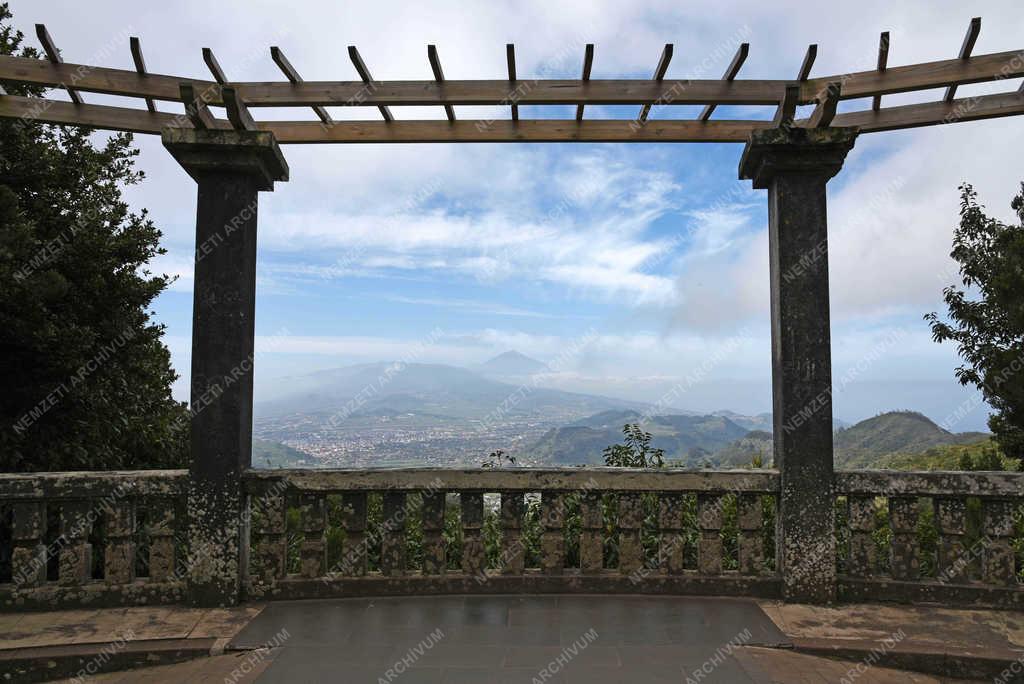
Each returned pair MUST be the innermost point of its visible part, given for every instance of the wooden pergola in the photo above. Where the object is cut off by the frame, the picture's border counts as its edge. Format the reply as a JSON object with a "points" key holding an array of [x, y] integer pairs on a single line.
{"points": [[233, 160], [240, 98]]}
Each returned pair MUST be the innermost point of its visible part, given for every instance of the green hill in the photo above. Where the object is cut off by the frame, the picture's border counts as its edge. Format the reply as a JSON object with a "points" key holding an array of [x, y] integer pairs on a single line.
{"points": [[868, 442], [276, 455]]}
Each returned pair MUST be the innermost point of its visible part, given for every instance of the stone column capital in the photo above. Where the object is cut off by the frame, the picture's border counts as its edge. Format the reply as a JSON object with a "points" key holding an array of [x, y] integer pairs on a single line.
{"points": [[814, 151], [249, 153]]}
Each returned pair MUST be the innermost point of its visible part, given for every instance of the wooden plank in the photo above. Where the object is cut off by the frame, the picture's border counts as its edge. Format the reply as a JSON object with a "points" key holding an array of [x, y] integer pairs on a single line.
{"points": [[588, 63], [292, 74], [786, 113], [53, 54], [510, 57], [977, 69], [883, 62], [214, 66], [435, 66], [805, 66], [825, 112], [659, 75], [196, 109], [966, 48], [730, 75], [238, 113], [364, 73], [140, 66]]}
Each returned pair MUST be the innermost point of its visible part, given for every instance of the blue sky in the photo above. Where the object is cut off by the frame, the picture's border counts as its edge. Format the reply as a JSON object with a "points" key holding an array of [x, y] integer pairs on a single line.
{"points": [[655, 256]]}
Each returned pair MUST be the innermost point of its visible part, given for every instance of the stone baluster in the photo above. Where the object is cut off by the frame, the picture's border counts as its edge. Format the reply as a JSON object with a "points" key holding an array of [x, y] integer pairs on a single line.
{"points": [[591, 533], [672, 547], [28, 559], [76, 518], [353, 561], [749, 519], [862, 543], [951, 520], [160, 515], [392, 546], [905, 553], [997, 559], [269, 542], [313, 521], [473, 559], [434, 561], [119, 557], [552, 538], [709, 521], [631, 516], [513, 549]]}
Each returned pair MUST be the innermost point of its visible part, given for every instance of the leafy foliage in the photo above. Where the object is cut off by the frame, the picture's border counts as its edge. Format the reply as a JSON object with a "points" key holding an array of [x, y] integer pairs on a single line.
{"points": [[989, 328], [86, 376], [635, 451]]}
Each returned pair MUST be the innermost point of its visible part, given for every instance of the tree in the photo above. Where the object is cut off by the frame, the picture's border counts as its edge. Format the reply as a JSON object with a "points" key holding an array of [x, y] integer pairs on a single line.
{"points": [[988, 323], [86, 375], [635, 452]]}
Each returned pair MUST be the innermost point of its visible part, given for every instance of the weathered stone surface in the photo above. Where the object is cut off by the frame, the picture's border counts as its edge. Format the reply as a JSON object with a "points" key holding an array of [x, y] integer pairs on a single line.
{"points": [[672, 542], [513, 549], [951, 519], [160, 517], [749, 518], [905, 553], [472, 539], [28, 557], [251, 154], [552, 540], [631, 515], [76, 521], [434, 559], [862, 545], [931, 483], [392, 549], [591, 533], [119, 555], [353, 560], [795, 164], [998, 563]]}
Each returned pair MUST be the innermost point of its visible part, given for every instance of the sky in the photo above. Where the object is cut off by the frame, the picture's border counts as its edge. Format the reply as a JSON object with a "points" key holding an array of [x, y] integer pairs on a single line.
{"points": [[637, 271]]}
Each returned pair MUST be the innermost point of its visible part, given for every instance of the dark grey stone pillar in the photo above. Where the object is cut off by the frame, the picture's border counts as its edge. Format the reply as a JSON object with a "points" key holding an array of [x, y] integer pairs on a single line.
{"points": [[794, 164], [230, 168]]}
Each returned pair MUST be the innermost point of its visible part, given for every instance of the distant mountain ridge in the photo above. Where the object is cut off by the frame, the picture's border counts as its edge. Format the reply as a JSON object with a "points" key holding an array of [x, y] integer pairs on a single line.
{"points": [[511, 363], [895, 432]]}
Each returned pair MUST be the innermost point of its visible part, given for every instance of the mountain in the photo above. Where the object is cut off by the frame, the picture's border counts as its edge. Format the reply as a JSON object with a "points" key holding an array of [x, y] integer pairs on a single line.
{"points": [[276, 455], [685, 438], [756, 443], [511, 363], [896, 432]]}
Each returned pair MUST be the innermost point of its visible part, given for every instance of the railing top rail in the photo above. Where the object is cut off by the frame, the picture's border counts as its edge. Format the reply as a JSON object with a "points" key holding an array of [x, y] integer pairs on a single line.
{"points": [[930, 483], [91, 485], [520, 479]]}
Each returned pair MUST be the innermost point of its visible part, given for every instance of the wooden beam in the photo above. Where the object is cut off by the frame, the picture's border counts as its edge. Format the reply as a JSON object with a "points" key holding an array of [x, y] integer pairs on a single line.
{"points": [[547, 130], [808, 63], [292, 74], [966, 48], [659, 75], [140, 66], [730, 75], [238, 113], [510, 57], [53, 54], [826, 109], [802, 75], [196, 109], [364, 73], [883, 62], [588, 63], [435, 66], [214, 66], [976, 69], [786, 113]]}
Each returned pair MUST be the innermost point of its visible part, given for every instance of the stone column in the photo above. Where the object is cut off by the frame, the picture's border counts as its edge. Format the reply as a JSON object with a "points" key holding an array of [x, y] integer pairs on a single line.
{"points": [[794, 164], [230, 168]]}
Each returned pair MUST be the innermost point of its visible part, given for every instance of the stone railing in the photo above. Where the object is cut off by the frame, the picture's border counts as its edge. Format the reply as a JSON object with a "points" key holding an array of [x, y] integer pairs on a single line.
{"points": [[594, 530], [952, 537], [90, 539]]}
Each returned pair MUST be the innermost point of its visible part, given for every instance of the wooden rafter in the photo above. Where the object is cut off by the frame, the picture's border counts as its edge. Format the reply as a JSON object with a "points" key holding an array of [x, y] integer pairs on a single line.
{"points": [[238, 113], [368, 83], [730, 75], [659, 75], [808, 63], [140, 66], [53, 54], [786, 113], [292, 74], [883, 62], [966, 48], [588, 64], [510, 57], [196, 108], [435, 66], [214, 66]]}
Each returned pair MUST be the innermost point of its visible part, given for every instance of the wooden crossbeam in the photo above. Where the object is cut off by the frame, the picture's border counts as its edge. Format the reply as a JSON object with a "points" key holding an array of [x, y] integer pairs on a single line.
{"points": [[510, 57], [238, 113], [435, 66], [976, 69], [659, 75], [196, 108], [364, 73], [548, 130], [140, 66], [781, 115], [214, 66], [730, 75], [825, 112], [292, 74], [883, 62], [966, 48], [588, 63], [53, 54]]}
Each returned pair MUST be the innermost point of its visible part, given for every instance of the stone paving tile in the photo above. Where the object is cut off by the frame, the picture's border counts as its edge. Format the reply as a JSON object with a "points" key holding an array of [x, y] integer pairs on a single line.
{"points": [[224, 622], [771, 666], [60, 627], [241, 668]]}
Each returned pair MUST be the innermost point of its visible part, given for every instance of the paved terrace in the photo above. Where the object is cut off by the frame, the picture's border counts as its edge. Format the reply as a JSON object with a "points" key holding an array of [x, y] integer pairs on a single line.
{"points": [[578, 638]]}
